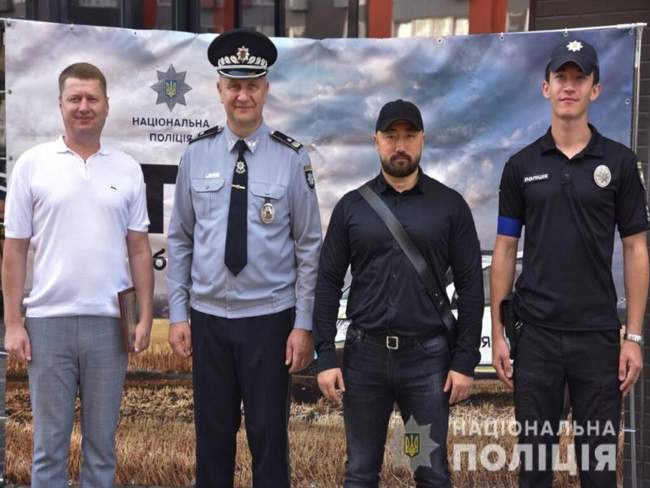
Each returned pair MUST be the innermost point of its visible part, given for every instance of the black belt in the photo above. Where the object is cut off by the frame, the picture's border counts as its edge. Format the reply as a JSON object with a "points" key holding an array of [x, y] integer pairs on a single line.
{"points": [[392, 341]]}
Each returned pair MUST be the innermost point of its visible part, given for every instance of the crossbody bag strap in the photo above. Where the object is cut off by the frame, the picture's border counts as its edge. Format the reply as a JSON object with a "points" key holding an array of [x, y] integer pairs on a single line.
{"points": [[435, 292]]}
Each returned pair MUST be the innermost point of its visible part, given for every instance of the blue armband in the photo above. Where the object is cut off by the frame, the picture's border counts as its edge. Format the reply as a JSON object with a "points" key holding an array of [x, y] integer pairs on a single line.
{"points": [[509, 227]]}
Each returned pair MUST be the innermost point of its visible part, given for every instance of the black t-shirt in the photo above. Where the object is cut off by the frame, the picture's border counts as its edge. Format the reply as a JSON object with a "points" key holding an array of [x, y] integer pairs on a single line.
{"points": [[570, 208]]}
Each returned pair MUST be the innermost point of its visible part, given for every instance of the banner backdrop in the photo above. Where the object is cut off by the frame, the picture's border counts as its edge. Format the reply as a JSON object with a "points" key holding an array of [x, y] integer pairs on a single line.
{"points": [[480, 97]]}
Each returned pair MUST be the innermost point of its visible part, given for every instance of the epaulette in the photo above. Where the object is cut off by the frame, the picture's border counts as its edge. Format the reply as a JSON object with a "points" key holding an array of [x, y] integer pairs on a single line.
{"points": [[286, 140], [212, 131]]}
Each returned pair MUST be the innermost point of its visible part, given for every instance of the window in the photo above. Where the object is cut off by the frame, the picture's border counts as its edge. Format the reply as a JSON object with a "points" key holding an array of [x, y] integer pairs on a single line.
{"points": [[216, 16], [320, 19], [517, 17], [418, 18], [258, 14], [13, 8]]}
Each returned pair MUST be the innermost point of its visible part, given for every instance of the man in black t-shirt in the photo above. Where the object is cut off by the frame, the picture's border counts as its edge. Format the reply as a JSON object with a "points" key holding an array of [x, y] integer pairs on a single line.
{"points": [[570, 189]]}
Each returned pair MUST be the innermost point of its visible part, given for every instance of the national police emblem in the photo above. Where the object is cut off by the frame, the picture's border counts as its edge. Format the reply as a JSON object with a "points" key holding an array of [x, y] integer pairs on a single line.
{"points": [[602, 176], [639, 167], [411, 445], [243, 54], [170, 88], [309, 176]]}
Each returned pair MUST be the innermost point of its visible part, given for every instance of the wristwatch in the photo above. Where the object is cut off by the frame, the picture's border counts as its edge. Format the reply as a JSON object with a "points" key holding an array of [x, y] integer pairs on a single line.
{"points": [[634, 338]]}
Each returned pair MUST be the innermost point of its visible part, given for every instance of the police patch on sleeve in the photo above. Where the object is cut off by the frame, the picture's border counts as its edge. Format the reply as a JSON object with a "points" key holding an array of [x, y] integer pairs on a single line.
{"points": [[309, 176], [639, 167]]}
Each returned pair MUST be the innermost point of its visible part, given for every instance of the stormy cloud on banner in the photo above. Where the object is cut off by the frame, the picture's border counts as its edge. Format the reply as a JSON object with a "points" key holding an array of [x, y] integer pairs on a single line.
{"points": [[480, 98]]}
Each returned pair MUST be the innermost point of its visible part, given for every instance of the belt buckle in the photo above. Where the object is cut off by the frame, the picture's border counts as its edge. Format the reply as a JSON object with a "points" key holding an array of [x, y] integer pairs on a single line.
{"points": [[392, 342]]}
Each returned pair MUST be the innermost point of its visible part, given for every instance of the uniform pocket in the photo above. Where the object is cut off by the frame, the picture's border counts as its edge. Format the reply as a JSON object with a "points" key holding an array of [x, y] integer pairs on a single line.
{"points": [[269, 202], [206, 196]]}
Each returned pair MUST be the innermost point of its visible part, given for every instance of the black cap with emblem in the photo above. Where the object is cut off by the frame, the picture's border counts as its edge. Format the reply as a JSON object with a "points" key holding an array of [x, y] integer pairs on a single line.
{"points": [[574, 50], [242, 53]]}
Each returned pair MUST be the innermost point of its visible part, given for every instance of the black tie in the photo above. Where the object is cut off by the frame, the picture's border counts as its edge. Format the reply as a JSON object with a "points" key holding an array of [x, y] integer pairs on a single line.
{"points": [[237, 235]]}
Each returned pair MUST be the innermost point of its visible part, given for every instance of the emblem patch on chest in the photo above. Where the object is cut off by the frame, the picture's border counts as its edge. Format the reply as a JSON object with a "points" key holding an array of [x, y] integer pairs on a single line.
{"points": [[602, 176], [535, 178]]}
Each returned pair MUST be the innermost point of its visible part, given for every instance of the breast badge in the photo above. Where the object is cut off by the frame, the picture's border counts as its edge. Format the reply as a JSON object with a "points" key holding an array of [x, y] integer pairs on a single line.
{"points": [[602, 176], [267, 212]]}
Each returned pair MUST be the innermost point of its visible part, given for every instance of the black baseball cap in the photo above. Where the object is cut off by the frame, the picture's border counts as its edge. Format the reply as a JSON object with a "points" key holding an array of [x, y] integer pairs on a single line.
{"points": [[242, 53], [399, 110], [574, 50]]}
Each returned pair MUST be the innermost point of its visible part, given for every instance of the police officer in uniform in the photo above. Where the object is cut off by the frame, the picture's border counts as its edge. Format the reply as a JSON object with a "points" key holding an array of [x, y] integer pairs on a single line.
{"points": [[570, 188], [244, 239]]}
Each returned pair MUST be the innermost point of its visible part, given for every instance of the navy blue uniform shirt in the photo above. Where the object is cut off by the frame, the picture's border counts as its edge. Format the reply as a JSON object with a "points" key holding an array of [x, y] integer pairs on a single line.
{"points": [[570, 209]]}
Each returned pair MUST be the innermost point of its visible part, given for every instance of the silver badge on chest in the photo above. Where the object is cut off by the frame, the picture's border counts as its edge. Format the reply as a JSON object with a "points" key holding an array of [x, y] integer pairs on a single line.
{"points": [[267, 212], [240, 167], [602, 176]]}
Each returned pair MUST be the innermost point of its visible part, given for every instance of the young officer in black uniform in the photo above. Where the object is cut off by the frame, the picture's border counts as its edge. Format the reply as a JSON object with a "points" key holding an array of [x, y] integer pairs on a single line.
{"points": [[571, 188], [396, 348]]}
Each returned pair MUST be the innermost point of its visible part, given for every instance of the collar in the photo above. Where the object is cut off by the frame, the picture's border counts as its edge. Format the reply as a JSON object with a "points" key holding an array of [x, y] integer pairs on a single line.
{"points": [[252, 141], [62, 148], [594, 147], [382, 185]]}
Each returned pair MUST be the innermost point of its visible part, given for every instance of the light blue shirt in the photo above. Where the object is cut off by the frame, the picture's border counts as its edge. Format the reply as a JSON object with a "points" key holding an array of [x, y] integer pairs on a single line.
{"points": [[282, 255]]}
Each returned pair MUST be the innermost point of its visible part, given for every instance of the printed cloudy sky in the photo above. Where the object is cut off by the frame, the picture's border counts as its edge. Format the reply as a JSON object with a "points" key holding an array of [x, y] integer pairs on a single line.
{"points": [[479, 95]]}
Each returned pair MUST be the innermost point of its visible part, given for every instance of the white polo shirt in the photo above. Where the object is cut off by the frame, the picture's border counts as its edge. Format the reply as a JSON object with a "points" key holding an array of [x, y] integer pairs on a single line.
{"points": [[76, 214]]}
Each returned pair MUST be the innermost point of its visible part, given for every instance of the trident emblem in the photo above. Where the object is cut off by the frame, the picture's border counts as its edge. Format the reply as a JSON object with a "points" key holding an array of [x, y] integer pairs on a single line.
{"points": [[411, 444]]}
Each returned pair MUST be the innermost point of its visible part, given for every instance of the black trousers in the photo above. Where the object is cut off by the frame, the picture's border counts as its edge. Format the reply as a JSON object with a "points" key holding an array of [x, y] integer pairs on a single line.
{"points": [[375, 378], [235, 360], [587, 362]]}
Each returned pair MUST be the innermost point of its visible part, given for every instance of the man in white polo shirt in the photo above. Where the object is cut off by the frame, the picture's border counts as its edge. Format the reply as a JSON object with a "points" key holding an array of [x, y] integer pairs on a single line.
{"points": [[82, 208]]}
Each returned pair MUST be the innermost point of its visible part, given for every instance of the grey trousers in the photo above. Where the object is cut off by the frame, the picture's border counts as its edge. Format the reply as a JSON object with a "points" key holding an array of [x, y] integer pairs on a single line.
{"points": [[81, 354]]}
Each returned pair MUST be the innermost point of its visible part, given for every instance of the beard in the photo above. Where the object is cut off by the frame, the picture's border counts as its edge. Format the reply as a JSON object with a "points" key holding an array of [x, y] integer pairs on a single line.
{"points": [[400, 164]]}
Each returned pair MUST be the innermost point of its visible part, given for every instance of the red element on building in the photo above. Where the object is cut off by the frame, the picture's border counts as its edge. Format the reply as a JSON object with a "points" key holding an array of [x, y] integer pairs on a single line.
{"points": [[487, 16], [380, 18]]}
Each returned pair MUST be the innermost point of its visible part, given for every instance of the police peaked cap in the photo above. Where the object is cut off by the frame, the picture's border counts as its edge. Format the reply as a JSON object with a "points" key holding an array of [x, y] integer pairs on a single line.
{"points": [[242, 53]]}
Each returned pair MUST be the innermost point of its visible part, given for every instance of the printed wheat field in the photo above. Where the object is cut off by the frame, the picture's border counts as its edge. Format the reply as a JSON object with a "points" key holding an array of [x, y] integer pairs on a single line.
{"points": [[155, 438]]}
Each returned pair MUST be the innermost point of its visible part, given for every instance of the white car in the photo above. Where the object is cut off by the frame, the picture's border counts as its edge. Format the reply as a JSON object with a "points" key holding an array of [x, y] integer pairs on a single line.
{"points": [[484, 367]]}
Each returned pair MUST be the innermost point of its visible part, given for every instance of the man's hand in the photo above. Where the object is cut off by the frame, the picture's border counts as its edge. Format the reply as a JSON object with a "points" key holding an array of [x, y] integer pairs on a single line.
{"points": [[180, 339], [459, 384], [17, 342], [142, 336], [501, 361], [630, 364], [331, 384], [300, 350]]}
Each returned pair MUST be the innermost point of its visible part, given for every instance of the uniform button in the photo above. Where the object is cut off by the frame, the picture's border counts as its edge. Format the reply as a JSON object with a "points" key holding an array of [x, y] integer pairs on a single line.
{"points": [[394, 275]]}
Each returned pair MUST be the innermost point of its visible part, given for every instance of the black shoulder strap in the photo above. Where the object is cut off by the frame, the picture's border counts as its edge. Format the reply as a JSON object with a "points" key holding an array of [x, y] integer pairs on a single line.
{"points": [[437, 294], [286, 140], [207, 133]]}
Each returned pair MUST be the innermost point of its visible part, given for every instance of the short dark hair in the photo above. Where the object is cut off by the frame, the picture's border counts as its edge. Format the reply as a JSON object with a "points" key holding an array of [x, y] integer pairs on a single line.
{"points": [[596, 72], [82, 71]]}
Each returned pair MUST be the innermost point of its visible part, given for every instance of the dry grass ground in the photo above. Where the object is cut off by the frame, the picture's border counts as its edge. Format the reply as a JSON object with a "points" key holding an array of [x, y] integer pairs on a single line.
{"points": [[155, 440]]}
